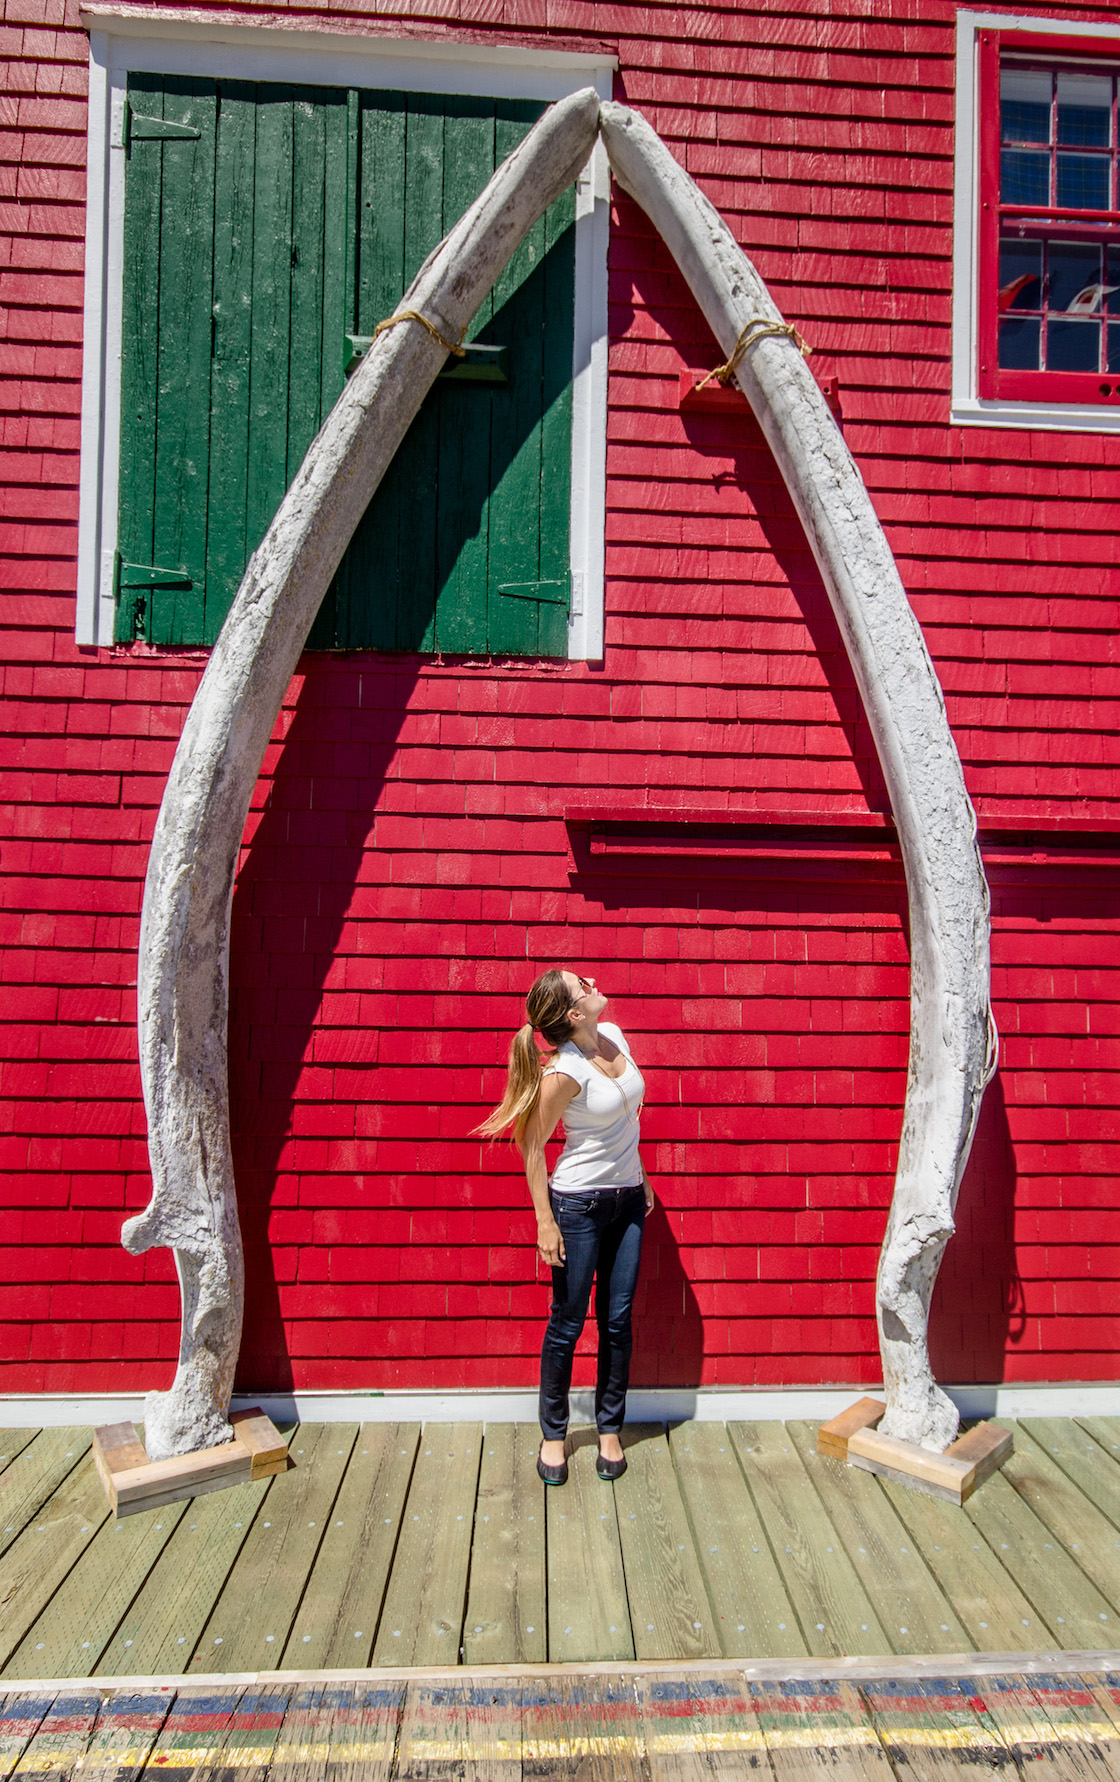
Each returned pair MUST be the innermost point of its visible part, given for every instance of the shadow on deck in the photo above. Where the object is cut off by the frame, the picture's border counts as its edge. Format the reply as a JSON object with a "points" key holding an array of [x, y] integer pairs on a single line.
{"points": [[392, 1546]]}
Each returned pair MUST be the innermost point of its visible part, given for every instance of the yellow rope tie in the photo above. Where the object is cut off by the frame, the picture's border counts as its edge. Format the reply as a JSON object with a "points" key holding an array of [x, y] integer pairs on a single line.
{"points": [[414, 315], [754, 331]]}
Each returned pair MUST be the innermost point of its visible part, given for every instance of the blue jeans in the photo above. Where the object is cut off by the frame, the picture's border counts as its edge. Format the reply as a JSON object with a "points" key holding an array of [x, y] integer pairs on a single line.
{"points": [[602, 1234]]}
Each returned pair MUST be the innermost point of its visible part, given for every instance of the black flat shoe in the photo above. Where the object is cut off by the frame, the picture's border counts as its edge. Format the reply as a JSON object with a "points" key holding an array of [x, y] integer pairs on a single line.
{"points": [[610, 1469], [553, 1475]]}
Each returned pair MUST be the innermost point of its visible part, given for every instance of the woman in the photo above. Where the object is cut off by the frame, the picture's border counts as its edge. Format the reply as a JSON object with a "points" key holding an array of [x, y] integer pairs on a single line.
{"points": [[590, 1216]]}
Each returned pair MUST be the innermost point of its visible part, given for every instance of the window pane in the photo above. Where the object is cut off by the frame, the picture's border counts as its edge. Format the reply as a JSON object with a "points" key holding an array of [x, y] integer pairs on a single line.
{"points": [[1112, 283], [1024, 178], [1083, 182], [1075, 277], [1085, 110], [1019, 345], [1024, 106], [1114, 349], [1020, 275], [1073, 346]]}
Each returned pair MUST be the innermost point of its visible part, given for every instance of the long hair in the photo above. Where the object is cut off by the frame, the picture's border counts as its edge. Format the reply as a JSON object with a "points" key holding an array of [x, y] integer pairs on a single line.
{"points": [[548, 1006]]}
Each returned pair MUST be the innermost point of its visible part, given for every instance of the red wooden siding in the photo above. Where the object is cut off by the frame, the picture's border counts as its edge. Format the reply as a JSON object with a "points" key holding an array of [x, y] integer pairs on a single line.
{"points": [[408, 867]]}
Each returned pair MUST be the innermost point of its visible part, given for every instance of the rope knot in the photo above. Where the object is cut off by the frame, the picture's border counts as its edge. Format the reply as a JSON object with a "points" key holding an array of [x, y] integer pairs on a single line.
{"points": [[752, 332], [414, 315]]}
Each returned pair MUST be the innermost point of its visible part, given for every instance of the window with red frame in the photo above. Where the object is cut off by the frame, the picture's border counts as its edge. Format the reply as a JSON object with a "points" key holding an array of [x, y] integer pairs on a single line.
{"points": [[1049, 307]]}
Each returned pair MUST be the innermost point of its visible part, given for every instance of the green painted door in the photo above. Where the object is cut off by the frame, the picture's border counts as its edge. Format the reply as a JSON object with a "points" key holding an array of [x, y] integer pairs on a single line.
{"points": [[264, 225]]}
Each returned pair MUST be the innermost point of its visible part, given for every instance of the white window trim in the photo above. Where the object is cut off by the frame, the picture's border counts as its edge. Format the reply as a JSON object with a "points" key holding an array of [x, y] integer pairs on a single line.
{"points": [[120, 43], [967, 409]]}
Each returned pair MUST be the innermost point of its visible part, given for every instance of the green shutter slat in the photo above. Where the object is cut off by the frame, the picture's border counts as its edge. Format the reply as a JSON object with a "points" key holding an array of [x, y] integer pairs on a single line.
{"points": [[270, 352], [186, 276], [556, 422], [227, 550], [140, 363]]}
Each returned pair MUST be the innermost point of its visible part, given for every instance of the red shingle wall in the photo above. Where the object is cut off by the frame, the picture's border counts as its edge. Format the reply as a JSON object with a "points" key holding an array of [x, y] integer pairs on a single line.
{"points": [[408, 868]]}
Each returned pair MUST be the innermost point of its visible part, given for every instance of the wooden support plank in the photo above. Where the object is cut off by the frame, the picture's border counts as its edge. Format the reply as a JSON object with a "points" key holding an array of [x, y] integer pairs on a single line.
{"points": [[197, 1734], [1046, 1574], [506, 1613], [912, 1608], [463, 1728], [116, 1448], [1051, 1724], [587, 1727], [160, 1630], [812, 1732], [40, 1558], [341, 1605], [984, 1447], [588, 1614], [699, 1727], [253, 1615], [267, 1448], [149, 1484], [21, 1715], [988, 1602], [930, 1729], [125, 1734], [754, 1616], [422, 1620], [35, 1476], [834, 1610], [69, 1636], [833, 1436], [56, 1749], [1088, 1536], [910, 1465], [12, 1444], [670, 1615]]}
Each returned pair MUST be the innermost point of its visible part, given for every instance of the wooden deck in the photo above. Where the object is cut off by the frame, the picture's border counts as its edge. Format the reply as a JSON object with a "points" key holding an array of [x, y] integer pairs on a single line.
{"points": [[650, 1728], [392, 1546]]}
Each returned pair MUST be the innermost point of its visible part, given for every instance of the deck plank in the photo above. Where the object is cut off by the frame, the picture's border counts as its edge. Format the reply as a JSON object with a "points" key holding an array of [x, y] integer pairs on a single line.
{"points": [[931, 1731], [57, 1747], [459, 1730], [754, 1617], [1046, 1574], [1088, 1536], [670, 1615], [12, 1444], [35, 1475], [816, 1732], [422, 1621], [506, 1609], [588, 1613], [42, 1556], [341, 1607], [125, 1735], [912, 1607], [365, 1740], [987, 1600], [162, 1627], [255, 1610], [73, 1630], [834, 1610], [201, 1724], [21, 1715], [1088, 1462], [250, 1738], [588, 1729], [700, 1728], [1056, 1732]]}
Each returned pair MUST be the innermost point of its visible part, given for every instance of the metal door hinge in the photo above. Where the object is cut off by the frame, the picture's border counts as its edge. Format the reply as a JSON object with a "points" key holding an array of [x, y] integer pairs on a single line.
{"points": [[137, 128], [483, 364], [555, 592], [129, 582]]}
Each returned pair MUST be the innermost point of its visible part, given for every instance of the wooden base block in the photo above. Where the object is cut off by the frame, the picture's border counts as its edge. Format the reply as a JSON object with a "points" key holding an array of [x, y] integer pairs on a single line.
{"points": [[953, 1475], [133, 1482], [833, 1436]]}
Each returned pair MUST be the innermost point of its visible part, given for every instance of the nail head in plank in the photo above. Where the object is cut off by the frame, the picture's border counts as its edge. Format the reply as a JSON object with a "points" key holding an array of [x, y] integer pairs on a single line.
{"points": [[588, 1612], [753, 1614]]}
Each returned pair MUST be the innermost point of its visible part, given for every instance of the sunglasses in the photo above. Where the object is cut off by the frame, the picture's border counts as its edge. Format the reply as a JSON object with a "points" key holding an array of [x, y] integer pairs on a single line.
{"points": [[586, 985]]}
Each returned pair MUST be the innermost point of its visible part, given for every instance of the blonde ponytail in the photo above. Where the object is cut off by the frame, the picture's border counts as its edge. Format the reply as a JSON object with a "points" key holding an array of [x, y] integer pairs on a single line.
{"points": [[548, 1004]]}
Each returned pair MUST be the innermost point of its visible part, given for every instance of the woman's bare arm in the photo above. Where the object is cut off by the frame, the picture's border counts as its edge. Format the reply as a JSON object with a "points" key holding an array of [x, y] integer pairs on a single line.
{"points": [[556, 1092]]}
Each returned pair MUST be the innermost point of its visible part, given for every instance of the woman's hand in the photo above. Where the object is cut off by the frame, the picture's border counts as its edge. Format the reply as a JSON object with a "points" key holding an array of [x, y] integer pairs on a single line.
{"points": [[550, 1243], [649, 1192]]}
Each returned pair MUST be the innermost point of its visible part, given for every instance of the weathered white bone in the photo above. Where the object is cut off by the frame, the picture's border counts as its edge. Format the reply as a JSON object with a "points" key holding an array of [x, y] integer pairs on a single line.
{"points": [[952, 1037], [184, 934]]}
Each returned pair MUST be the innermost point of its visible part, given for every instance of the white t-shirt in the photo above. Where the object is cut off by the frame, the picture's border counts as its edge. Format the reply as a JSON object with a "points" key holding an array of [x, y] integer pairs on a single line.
{"points": [[600, 1121]]}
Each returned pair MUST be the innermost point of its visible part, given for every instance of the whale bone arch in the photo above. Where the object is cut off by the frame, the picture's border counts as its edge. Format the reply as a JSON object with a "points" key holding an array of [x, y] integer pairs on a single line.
{"points": [[183, 976]]}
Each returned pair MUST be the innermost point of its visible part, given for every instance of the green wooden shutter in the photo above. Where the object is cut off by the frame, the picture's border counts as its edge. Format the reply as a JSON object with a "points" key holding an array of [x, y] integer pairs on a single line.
{"points": [[263, 224]]}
